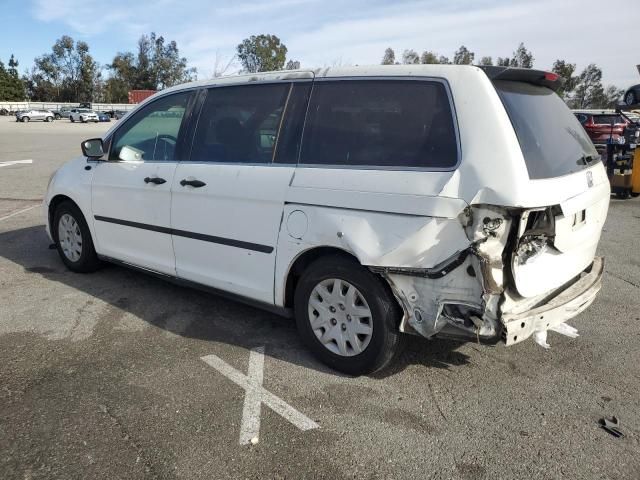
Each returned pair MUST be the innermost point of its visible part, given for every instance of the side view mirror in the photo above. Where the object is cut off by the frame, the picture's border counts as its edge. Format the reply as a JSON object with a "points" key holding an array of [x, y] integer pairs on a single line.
{"points": [[92, 148]]}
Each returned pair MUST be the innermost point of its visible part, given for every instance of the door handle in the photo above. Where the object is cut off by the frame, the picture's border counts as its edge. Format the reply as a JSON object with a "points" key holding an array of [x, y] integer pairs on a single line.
{"points": [[194, 183], [156, 180]]}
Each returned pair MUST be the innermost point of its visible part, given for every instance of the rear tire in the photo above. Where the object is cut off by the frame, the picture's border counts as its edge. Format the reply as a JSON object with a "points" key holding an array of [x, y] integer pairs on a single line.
{"points": [[25, 119], [73, 239], [630, 98], [72, 120], [359, 344], [58, 117], [49, 119]]}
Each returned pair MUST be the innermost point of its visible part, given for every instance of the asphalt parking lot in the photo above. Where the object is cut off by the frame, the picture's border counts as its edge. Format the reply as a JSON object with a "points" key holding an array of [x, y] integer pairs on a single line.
{"points": [[118, 375]]}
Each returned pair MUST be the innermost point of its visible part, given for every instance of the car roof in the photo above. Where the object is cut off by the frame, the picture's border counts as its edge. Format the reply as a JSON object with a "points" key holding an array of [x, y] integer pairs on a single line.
{"points": [[433, 70]]}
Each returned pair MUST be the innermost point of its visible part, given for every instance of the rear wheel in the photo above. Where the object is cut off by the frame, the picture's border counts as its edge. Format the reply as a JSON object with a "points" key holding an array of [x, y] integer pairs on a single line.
{"points": [[49, 119], [347, 316], [72, 120], [58, 116], [630, 98], [25, 119], [73, 239]]}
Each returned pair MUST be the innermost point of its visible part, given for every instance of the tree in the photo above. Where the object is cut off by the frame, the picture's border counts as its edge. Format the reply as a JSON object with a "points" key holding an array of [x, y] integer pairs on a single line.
{"points": [[410, 57], [589, 91], [486, 61], [444, 60], [429, 58], [221, 65], [522, 57], [463, 56], [389, 57], [156, 65], [503, 62], [292, 65], [566, 72], [262, 53], [69, 73], [12, 88]]}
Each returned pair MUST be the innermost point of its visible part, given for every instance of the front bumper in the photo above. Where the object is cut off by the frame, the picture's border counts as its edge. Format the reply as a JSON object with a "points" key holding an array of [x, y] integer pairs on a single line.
{"points": [[569, 303]]}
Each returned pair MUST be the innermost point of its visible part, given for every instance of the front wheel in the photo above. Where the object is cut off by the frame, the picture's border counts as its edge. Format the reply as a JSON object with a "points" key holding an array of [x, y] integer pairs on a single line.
{"points": [[347, 316], [58, 116], [25, 119], [72, 120], [49, 119], [73, 239]]}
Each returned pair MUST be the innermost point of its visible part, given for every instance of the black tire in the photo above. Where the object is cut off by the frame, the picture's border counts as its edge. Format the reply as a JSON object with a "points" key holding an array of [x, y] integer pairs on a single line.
{"points": [[635, 194], [630, 98], [25, 119], [88, 260], [58, 116], [49, 119], [623, 194], [72, 120], [386, 340]]}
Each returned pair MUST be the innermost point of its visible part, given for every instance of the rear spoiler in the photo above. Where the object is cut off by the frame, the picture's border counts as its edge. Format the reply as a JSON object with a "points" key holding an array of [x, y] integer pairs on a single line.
{"points": [[537, 77]]}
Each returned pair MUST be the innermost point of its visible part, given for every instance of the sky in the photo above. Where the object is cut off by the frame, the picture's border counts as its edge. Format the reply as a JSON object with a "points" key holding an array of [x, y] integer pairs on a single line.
{"points": [[331, 32]]}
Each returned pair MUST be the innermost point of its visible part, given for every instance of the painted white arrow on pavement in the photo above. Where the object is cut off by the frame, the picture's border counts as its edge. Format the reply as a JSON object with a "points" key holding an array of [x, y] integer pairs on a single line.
{"points": [[14, 162], [256, 395]]}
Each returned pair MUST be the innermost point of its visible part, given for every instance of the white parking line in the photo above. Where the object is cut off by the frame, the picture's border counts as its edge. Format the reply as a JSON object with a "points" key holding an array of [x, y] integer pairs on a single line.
{"points": [[14, 162], [256, 395], [19, 212]]}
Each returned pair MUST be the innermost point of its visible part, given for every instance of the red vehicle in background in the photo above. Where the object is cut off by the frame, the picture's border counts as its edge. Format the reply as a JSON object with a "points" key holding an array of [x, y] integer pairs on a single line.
{"points": [[602, 126], [137, 96]]}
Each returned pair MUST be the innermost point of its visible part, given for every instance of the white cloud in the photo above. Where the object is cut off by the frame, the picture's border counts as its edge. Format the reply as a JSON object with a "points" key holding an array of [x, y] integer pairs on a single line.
{"points": [[318, 32]]}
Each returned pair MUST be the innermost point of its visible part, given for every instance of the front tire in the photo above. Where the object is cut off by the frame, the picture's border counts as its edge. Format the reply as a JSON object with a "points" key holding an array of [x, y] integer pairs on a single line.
{"points": [[347, 316], [72, 120], [49, 119], [73, 239], [25, 119]]}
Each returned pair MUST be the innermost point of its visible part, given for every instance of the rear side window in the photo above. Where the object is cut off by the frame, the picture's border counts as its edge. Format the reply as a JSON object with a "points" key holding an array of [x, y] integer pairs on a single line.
{"points": [[380, 123], [240, 124], [551, 138], [608, 119]]}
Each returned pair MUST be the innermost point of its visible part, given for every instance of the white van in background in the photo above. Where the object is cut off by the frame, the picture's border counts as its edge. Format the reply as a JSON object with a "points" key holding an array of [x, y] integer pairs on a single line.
{"points": [[436, 200]]}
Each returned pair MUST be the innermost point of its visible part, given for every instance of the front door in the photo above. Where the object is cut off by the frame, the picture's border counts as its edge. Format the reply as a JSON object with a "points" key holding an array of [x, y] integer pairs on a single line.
{"points": [[131, 192], [228, 199]]}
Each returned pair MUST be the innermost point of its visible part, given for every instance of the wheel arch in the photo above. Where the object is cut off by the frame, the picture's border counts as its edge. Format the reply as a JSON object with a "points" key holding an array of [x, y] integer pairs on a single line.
{"points": [[302, 261], [53, 205]]}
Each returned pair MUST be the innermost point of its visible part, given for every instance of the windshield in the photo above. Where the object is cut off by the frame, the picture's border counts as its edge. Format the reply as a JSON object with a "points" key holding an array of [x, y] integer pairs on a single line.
{"points": [[552, 140]]}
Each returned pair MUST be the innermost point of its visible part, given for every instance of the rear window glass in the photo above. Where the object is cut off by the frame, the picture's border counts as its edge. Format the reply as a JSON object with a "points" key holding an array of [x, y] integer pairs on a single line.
{"points": [[608, 119], [380, 123], [552, 140]]}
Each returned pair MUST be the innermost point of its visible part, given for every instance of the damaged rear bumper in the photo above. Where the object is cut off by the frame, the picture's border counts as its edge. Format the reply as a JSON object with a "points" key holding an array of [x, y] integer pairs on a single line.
{"points": [[562, 307]]}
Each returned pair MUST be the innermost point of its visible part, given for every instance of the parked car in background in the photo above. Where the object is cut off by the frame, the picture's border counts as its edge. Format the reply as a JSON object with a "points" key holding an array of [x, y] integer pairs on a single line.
{"points": [[387, 216], [104, 117], [632, 95], [83, 115], [62, 113], [28, 115], [602, 125], [118, 114]]}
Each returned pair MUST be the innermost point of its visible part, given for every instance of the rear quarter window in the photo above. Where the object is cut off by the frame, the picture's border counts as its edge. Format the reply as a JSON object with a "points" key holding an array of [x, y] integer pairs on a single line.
{"points": [[380, 123]]}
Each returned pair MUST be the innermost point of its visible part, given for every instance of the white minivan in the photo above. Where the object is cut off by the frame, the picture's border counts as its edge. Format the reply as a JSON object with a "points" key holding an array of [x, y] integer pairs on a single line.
{"points": [[368, 202]]}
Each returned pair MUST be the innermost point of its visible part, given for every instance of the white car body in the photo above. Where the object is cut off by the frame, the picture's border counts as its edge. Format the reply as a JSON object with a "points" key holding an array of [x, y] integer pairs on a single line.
{"points": [[83, 115], [445, 240]]}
